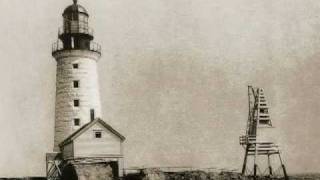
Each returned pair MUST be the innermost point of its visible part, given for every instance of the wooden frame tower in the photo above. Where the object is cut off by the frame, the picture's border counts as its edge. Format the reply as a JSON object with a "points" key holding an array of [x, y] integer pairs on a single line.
{"points": [[257, 142]]}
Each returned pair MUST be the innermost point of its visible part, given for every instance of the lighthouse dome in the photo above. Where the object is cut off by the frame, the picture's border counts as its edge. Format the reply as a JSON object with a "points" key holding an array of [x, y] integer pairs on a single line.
{"points": [[75, 9]]}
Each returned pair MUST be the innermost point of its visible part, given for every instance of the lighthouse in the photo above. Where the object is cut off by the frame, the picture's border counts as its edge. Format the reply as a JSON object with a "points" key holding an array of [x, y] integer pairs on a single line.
{"points": [[82, 139], [77, 87]]}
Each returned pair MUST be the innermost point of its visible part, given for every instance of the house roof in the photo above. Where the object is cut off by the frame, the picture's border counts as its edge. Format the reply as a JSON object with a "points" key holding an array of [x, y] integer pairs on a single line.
{"points": [[86, 127]]}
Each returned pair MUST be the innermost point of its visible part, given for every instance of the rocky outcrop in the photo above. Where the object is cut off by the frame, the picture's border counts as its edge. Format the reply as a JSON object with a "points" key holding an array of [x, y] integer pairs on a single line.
{"points": [[156, 174]]}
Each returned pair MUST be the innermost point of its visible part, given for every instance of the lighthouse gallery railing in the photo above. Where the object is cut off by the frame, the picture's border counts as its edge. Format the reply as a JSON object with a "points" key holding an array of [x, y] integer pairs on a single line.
{"points": [[58, 46]]}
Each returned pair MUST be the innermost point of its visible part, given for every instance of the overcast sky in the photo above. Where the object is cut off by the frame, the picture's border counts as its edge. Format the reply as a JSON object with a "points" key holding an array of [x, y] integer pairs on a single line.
{"points": [[173, 78]]}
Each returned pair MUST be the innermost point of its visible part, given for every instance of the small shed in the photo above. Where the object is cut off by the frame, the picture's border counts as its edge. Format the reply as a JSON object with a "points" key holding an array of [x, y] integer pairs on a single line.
{"points": [[96, 141]]}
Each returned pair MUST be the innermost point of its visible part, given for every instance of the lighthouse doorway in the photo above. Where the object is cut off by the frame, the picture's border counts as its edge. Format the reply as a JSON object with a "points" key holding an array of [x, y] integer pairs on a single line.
{"points": [[69, 173], [115, 168]]}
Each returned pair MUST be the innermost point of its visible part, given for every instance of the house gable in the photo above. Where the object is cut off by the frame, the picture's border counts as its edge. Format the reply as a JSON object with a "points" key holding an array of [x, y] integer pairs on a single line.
{"points": [[95, 139], [106, 144], [86, 127]]}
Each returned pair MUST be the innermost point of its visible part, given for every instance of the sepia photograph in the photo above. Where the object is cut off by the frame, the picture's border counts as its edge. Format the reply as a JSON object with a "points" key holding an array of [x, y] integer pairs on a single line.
{"points": [[160, 90]]}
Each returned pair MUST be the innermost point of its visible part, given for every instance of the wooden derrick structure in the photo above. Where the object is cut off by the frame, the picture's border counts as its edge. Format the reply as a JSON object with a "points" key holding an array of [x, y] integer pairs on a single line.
{"points": [[256, 142]]}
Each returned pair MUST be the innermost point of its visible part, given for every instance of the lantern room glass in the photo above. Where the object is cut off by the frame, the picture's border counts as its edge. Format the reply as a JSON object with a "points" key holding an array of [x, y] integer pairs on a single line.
{"points": [[75, 23]]}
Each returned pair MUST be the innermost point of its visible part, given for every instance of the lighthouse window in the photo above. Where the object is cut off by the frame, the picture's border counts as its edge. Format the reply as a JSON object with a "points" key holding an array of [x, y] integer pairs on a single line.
{"points": [[75, 66], [264, 116], [75, 84], [263, 110], [76, 103], [77, 122], [98, 134]]}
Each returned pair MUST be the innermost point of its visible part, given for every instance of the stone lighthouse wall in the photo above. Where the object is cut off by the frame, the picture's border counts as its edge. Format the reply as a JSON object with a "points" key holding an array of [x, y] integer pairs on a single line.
{"points": [[80, 66]]}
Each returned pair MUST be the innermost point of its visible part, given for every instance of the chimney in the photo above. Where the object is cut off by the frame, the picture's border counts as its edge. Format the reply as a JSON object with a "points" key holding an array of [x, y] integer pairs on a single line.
{"points": [[92, 114]]}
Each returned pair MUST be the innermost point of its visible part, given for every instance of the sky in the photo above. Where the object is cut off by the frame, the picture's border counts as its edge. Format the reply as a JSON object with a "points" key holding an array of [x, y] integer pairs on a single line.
{"points": [[173, 79]]}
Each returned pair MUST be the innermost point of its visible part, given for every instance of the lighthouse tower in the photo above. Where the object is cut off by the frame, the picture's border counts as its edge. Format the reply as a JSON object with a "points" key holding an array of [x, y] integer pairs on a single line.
{"points": [[83, 142], [77, 87]]}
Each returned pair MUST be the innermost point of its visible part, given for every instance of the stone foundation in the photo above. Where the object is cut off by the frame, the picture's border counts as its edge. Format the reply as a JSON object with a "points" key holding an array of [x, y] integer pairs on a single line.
{"points": [[97, 171]]}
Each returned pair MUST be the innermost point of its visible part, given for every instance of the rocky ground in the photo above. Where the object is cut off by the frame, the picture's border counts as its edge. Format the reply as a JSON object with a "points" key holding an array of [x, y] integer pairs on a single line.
{"points": [[188, 175], [152, 174]]}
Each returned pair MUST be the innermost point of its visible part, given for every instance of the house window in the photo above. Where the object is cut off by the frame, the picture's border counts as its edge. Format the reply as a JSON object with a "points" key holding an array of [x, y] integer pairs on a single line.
{"points": [[98, 134], [76, 122], [76, 103], [75, 66], [75, 84]]}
